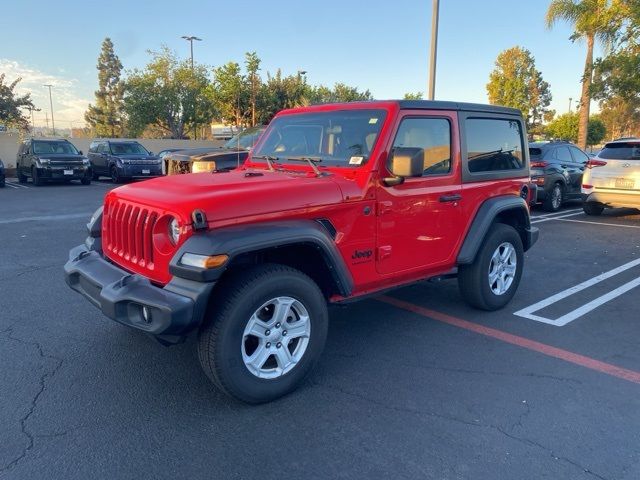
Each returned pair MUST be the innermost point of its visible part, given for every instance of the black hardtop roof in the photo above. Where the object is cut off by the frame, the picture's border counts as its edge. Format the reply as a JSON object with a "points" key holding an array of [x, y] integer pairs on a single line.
{"points": [[447, 105]]}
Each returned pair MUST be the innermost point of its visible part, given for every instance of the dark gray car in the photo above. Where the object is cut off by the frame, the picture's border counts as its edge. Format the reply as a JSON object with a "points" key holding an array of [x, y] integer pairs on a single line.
{"points": [[123, 160]]}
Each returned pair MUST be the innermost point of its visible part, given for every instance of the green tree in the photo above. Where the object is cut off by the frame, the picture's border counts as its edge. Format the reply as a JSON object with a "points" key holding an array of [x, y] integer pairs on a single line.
{"points": [[107, 116], [516, 83], [596, 130], [591, 20], [282, 92], [565, 127], [340, 93], [168, 94], [620, 116], [231, 95], [413, 96], [11, 103], [252, 65]]}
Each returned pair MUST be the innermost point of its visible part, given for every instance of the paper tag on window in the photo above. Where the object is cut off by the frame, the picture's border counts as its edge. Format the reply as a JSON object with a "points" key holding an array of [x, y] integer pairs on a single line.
{"points": [[356, 160], [373, 121]]}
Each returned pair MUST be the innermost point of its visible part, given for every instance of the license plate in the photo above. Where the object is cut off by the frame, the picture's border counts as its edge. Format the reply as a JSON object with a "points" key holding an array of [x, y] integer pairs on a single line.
{"points": [[146, 172], [68, 172], [626, 183]]}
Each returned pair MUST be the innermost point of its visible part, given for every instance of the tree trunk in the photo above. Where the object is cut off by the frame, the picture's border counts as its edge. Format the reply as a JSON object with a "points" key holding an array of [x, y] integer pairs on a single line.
{"points": [[585, 98]]}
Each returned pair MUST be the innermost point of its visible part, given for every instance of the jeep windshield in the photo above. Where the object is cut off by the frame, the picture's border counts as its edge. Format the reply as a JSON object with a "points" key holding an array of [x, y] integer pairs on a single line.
{"points": [[342, 138], [54, 148], [128, 149]]}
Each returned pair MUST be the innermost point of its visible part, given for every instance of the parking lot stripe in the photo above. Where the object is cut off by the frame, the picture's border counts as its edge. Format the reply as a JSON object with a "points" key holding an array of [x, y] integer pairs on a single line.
{"points": [[10, 185], [543, 348], [556, 213], [527, 312], [555, 218], [600, 223], [45, 218]]}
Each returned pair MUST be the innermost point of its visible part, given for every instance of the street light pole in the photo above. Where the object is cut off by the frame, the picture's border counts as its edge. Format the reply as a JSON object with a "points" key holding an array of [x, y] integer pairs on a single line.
{"points": [[190, 39], [570, 99], [53, 122], [434, 49]]}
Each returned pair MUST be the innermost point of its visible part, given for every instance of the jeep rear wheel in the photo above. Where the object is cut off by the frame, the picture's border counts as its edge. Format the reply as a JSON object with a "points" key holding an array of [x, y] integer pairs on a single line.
{"points": [[264, 332], [490, 282]]}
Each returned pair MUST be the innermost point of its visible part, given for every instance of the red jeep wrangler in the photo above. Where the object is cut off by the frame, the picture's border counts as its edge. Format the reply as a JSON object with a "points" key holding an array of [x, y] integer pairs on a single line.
{"points": [[335, 203]]}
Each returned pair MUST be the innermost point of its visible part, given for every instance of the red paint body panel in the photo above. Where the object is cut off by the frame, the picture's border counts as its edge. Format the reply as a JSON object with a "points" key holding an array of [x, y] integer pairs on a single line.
{"points": [[411, 233]]}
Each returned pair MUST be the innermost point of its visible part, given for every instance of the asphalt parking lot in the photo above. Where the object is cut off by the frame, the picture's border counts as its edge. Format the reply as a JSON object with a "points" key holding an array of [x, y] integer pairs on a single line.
{"points": [[413, 384]]}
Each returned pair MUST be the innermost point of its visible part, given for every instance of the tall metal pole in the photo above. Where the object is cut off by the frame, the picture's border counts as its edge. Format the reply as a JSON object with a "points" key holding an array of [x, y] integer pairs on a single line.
{"points": [[570, 99], [190, 39], [431, 91], [53, 122]]}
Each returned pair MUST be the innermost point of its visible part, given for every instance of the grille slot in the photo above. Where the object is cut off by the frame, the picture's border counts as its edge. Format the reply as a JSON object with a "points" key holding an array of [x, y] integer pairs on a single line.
{"points": [[129, 233]]}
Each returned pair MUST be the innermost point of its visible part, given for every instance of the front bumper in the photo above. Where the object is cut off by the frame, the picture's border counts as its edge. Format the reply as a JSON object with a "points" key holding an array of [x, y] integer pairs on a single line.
{"points": [[138, 171], [172, 311], [57, 173]]}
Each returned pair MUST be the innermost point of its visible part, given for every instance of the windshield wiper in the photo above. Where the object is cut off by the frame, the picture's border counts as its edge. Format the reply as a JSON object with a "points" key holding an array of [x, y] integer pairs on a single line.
{"points": [[312, 161], [268, 158]]}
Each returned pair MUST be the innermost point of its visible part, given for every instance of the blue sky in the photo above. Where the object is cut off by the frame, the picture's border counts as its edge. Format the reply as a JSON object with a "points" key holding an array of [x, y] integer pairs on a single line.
{"points": [[375, 44]]}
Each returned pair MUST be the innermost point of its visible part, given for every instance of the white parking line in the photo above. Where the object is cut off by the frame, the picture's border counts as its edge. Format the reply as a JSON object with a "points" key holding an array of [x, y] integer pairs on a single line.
{"points": [[600, 223], [46, 218], [556, 213], [527, 312], [16, 185], [558, 217]]}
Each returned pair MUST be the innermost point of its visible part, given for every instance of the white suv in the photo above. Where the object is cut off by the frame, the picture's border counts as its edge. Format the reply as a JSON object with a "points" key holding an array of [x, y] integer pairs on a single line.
{"points": [[612, 178]]}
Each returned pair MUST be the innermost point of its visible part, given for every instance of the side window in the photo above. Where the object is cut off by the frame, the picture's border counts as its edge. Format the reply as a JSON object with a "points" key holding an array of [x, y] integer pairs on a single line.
{"points": [[102, 148], [563, 154], [93, 147], [493, 144], [578, 155], [431, 134]]}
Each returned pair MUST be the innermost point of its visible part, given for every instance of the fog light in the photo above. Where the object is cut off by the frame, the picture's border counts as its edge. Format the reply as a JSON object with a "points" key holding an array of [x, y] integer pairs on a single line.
{"points": [[146, 314]]}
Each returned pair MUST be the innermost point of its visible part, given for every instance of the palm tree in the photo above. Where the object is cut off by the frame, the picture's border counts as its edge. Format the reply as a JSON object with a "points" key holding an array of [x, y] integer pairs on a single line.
{"points": [[592, 20]]}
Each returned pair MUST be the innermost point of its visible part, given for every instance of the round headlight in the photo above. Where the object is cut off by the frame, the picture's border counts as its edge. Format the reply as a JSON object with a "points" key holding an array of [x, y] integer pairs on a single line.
{"points": [[174, 231]]}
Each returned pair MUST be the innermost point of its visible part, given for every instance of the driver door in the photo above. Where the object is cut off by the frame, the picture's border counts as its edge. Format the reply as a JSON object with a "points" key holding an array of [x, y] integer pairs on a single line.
{"points": [[419, 221]]}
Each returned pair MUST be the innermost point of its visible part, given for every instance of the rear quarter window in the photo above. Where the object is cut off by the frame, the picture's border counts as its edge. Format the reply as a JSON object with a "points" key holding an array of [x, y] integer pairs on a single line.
{"points": [[494, 148]]}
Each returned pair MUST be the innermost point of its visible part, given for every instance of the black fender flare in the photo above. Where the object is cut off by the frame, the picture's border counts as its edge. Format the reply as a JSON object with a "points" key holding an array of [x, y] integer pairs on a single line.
{"points": [[241, 239], [485, 216]]}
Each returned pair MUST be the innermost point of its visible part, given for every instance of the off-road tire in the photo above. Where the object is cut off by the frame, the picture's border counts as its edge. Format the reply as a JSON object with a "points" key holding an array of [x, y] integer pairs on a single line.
{"points": [[232, 304], [473, 279], [21, 177]]}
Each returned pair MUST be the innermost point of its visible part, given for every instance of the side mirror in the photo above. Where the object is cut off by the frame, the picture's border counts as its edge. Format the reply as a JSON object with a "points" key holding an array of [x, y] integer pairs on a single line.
{"points": [[80, 152], [405, 162], [151, 154]]}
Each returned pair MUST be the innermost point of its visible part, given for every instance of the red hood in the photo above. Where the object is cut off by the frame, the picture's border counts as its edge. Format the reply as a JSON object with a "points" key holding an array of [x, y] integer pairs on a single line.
{"points": [[235, 194]]}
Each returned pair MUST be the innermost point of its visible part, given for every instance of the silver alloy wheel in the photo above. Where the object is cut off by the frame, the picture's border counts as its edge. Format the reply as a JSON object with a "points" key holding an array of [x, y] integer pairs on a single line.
{"points": [[502, 268], [276, 337], [556, 197]]}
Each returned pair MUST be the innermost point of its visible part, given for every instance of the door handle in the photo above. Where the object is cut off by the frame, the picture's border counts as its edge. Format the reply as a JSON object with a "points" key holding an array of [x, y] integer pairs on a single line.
{"points": [[450, 198]]}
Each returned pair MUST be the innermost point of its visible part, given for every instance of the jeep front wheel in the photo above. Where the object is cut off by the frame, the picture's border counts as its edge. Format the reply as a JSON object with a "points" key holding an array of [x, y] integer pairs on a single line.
{"points": [[265, 330], [490, 282]]}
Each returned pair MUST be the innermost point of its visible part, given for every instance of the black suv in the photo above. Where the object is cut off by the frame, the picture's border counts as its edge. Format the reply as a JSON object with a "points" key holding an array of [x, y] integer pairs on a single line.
{"points": [[123, 160], [556, 169], [51, 159], [2, 176]]}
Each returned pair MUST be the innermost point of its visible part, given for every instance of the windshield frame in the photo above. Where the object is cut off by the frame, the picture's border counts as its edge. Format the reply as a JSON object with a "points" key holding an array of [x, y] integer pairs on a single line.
{"points": [[354, 160]]}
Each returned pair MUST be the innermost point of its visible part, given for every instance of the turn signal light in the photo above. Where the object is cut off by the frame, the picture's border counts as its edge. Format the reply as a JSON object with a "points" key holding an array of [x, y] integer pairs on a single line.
{"points": [[586, 187], [538, 164], [203, 261]]}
